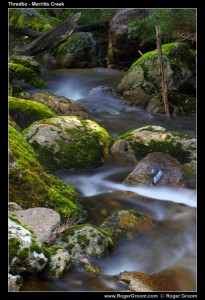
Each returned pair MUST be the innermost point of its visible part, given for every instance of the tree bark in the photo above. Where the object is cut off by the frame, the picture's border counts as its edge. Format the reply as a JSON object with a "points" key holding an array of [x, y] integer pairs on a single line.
{"points": [[24, 31], [49, 38], [161, 69]]}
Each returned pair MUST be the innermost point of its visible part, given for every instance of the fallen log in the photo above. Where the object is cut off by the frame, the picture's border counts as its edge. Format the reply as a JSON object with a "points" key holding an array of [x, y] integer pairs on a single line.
{"points": [[49, 38], [24, 31]]}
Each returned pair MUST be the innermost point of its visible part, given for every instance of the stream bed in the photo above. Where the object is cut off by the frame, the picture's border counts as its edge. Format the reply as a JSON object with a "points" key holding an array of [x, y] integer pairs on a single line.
{"points": [[171, 245]]}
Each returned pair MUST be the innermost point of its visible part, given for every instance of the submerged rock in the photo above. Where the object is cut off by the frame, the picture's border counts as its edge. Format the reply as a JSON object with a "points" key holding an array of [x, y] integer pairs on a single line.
{"points": [[126, 224], [68, 143], [156, 168], [163, 281]]}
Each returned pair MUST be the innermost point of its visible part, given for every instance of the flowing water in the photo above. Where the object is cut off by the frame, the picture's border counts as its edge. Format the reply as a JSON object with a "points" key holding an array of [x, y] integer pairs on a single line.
{"points": [[171, 244]]}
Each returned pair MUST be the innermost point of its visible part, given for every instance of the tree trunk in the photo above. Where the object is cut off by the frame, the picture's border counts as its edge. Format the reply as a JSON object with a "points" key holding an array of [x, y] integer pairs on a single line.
{"points": [[49, 38], [161, 69], [24, 31]]}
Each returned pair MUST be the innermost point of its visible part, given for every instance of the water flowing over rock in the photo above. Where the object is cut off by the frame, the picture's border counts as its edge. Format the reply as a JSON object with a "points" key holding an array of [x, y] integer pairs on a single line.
{"points": [[68, 143], [40, 219], [25, 251], [156, 168]]}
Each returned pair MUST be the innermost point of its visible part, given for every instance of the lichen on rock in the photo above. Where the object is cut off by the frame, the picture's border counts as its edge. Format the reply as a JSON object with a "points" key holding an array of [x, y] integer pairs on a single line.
{"points": [[68, 143]]}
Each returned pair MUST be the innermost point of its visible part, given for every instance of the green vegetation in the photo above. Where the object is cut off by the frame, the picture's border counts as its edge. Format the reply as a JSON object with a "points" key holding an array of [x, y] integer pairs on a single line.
{"points": [[14, 245], [18, 71], [174, 51], [89, 16], [37, 111], [86, 148], [33, 19], [166, 146], [29, 184], [170, 21]]}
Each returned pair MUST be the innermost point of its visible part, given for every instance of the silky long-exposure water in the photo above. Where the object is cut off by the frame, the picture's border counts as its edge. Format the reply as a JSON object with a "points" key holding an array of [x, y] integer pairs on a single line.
{"points": [[171, 244]]}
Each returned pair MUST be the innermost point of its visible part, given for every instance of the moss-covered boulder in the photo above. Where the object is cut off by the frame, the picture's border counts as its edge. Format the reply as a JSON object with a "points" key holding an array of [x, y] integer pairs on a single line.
{"points": [[26, 253], [59, 262], [126, 224], [29, 184], [78, 51], [29, 62], [58, 104], [24, 112], [136, 144], [21, 75], [85, 241], [32, 19], [156, 168], [68, 143], [179, 104], [142, 80]]}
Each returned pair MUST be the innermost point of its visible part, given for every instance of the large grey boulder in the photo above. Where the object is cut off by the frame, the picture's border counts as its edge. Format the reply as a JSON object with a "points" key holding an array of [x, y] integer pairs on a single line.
{"points": [[136, 144], [156, 168], [68, 142], [40, 219], [123, 46]]}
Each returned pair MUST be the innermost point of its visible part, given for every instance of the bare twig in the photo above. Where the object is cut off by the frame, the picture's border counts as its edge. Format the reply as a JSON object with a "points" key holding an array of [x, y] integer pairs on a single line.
{"points": [[60, 229]]}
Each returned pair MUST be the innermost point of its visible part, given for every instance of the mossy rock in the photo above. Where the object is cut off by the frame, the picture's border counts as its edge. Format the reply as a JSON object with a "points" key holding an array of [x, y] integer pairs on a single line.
{"points": [[19, 72], [26, 253], [78, 51], [142, 80], [68, 143], [140, 142], [60, 105], [126, 224], [85, 240], [179, 104], [28, 62], [32, 19], [29, 184], [25, 112]]}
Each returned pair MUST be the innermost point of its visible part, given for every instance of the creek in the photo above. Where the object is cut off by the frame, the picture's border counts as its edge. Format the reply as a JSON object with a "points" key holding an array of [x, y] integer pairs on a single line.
{"points": [[171, 244]]}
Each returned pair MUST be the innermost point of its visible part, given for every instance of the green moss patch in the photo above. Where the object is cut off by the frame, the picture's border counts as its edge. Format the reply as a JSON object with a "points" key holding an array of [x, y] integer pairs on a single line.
{"points": [[82, 146], [24, 112], [18, 71], [29, 184]]}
